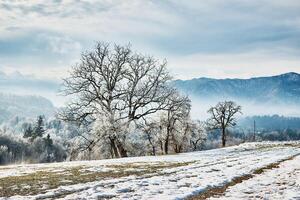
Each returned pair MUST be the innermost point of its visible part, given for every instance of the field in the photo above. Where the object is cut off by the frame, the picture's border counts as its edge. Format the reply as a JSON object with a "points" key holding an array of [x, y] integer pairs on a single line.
{"points": [[248, 171]]}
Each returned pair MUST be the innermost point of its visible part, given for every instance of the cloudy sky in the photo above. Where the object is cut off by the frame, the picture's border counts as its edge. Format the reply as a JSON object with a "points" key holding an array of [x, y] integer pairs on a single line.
{"points": [[215, 38]]}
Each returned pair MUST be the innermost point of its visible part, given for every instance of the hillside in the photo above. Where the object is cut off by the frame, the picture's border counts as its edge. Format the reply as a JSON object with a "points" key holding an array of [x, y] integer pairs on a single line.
{"points": [[275, 89], [258, 96], [24, 106], [20, 84], [194, 175]]}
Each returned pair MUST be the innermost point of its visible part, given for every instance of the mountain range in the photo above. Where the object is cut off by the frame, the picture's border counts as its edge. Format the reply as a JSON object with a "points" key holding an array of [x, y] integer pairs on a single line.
{"points": [[27, 106], [283, 88], [262, 95]]}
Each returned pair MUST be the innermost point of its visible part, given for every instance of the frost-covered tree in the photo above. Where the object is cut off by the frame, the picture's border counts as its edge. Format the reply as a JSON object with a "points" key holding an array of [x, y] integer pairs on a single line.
{"points": [[49, 147], [119, 85], [37, 131], [172, 119], [198, 134], [28, 132], [19, 143], [222, 116], [39, 128], [151, 130], [181, 134]]}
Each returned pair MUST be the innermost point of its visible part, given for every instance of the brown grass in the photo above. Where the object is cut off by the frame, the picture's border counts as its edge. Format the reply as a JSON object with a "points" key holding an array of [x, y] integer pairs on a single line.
{"points": [[40, 182]]}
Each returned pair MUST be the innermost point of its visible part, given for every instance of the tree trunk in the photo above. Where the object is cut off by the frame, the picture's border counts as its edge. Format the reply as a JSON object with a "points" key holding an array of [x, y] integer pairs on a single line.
{"points": [[167, 139], [180, 149], [89, 153], [161, 146], [223, 137], [152, 145], [176, 148], [154, 151], [114, 147], [111, 152], [122, 150], [194, 144], [167, 145]]}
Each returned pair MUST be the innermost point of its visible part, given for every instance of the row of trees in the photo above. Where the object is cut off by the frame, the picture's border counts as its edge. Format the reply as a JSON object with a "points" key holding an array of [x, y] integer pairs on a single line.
{"points": [[34, 146], [14, 149], [118, 93], [33, 132]]}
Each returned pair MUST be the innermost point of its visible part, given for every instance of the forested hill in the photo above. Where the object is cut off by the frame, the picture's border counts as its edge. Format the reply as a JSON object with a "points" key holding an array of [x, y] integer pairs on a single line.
{"points": [[271, 123], [24, 106], [284, 88]]}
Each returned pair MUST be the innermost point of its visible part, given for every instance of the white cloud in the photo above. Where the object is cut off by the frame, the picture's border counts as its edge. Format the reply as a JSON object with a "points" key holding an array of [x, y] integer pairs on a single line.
{"points": [[91, 18], [235, 65], [60, 44], [219, 38]]}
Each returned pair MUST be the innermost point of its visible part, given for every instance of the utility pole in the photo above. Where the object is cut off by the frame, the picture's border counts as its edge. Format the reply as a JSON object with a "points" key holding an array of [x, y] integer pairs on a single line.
{"points": [[254, 130]]}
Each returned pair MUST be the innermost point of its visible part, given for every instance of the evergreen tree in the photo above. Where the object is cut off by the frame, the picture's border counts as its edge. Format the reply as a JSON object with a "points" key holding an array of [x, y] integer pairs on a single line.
{"points": [[28, 132], [48, 144], [39, 129]]}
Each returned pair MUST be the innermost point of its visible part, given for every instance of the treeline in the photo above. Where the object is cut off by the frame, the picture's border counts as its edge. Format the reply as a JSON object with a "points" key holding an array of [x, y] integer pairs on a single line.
{"points": [[31, 145], [53, 140], [272, 128], [279, 135], [273, 123]]}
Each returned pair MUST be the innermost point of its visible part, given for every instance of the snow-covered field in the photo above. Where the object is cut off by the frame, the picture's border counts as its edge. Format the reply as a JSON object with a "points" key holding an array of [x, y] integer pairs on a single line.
{"points": [[274, 170], [279, 183]]}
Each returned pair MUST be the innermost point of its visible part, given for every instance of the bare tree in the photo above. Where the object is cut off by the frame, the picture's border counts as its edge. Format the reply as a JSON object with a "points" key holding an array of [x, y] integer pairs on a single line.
{"points": [[180, 135], [120, 86], [177, 111], [198, 134], [223, 116], [151, 130]]}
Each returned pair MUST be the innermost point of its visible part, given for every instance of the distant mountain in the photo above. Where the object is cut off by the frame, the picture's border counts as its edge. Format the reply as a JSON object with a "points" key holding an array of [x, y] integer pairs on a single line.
{"points": [[262, 95], [20, 84], [18, 81], [24, 106], [274, 89]]}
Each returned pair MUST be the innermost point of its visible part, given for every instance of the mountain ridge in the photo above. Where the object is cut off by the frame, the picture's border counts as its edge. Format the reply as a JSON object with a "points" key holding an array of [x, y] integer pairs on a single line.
{"points": [[256, 77], [283, 88], [30, 106]]}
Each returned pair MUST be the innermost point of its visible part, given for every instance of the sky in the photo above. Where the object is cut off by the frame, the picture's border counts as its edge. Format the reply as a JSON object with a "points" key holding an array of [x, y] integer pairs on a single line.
{"points": [[216, 38], [41, 39]]}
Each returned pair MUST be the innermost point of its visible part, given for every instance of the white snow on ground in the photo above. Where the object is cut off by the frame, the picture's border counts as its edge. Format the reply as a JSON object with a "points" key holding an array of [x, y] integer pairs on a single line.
{"points": [[279, 183], [207, 169]]}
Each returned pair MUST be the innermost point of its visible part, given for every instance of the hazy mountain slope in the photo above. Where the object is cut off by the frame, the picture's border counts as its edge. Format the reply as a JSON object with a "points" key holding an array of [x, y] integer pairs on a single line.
{"points": [[20, 84], [24, 106], [275, 89], [258, 96]]}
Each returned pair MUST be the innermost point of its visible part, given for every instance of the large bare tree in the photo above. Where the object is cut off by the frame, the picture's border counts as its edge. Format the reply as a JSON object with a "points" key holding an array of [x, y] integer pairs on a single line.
{"points": [[222, 116], [118, 85]]}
